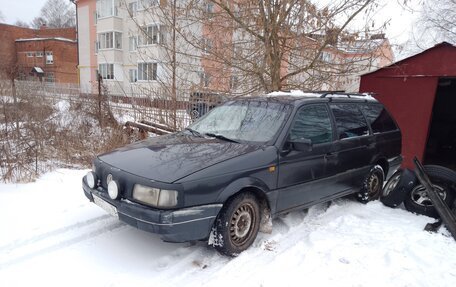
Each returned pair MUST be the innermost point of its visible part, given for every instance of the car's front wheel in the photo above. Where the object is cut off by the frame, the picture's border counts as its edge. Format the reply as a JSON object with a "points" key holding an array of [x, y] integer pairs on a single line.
{"points": [[237, 224]]}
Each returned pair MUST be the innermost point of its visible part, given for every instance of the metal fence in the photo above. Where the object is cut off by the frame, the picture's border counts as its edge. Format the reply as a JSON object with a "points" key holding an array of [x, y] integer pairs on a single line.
{"points": [[159, 108]]}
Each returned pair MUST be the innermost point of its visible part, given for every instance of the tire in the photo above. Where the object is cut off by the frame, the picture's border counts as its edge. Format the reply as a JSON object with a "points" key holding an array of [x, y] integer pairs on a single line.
{"points": [[443, 179], [397, 188], [237, 224], [372, 185]]}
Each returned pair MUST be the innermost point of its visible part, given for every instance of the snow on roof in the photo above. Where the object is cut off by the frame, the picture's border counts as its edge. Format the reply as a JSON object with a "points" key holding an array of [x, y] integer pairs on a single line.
{"points": [[293, 93], [45, 39], [361, 46], [38, 70]]}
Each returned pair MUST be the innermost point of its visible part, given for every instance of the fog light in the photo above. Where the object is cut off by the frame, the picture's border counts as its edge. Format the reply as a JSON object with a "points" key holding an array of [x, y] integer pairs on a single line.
{"points": [[91, 179], [113, 189]]}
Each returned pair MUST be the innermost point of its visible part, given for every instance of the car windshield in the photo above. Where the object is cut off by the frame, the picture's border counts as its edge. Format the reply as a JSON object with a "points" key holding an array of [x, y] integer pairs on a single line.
{"points": [[251, 121]]}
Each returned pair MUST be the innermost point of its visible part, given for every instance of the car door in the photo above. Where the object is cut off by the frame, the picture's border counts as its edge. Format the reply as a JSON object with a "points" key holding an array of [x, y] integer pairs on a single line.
{"points": [[354, 145], [302, 172]]}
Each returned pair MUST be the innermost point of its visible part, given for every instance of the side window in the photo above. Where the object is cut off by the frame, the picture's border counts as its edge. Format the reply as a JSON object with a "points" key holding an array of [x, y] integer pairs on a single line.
{"points": [[312, 122], [350, 121], [378, 118]]}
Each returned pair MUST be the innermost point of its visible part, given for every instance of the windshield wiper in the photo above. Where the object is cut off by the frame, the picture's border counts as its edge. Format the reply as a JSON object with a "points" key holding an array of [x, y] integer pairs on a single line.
{"points": [[221, 137], [194, 132]]}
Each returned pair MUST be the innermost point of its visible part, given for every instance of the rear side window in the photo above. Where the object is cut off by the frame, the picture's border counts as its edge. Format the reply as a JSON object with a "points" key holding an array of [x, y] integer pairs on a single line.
{"points": [[312, 122], [350, 121], [379, 118]]}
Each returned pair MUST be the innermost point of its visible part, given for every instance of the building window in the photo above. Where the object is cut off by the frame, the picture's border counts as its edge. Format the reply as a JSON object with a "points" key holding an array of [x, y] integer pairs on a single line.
{"points": [[105, 40], [107, 8], [234, 82], [49, 58], [205, 79], [49, 78], [325, 57], [29, 54], [110, 40], [106, 71], [39, 54], [152, 34], [133, 43], [147, 71], [133, 9], [209, 7], [133, 75], [207, 45], [145, 4], [118, 40]]}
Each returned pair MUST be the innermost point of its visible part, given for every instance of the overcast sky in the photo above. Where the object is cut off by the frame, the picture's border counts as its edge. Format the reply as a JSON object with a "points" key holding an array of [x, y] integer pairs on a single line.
{"points": [[398, 31], [24, 10]]}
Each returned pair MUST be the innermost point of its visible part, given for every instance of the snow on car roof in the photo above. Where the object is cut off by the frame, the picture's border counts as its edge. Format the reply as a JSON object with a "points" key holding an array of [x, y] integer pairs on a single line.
{"points": [[294, 93]]}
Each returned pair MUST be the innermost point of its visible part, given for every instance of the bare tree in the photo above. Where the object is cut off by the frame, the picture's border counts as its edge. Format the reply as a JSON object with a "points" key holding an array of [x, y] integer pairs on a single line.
{"points": [[274, 45], [438, 21], [21, 23], [56, 14], [38, 22]]}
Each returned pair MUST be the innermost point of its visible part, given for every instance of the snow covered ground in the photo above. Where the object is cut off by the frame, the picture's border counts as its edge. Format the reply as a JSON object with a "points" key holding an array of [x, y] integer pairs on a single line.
{"points": [[51, 235]]}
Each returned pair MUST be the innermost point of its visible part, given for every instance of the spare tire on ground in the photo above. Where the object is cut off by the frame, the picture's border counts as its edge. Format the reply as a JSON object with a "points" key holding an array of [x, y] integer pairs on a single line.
{"points": [[443, 180], [397, 187]]}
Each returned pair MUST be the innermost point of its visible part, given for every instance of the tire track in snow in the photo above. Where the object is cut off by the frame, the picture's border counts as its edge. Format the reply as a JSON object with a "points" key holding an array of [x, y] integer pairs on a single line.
{"points": [[57, 239], [18, 243]]}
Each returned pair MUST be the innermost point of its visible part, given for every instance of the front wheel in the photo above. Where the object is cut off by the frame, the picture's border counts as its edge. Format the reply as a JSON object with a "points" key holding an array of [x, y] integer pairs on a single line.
{"points": [[237, 224], [372, 185]]}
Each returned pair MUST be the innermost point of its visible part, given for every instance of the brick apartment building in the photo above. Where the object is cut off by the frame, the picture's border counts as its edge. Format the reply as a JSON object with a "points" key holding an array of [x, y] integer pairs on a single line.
{"points": [[45, 54], [121, 40]]}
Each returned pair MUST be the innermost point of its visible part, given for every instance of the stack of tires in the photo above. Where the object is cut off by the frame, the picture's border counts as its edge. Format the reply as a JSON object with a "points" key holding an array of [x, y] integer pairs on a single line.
{"points": [[404, 187]]}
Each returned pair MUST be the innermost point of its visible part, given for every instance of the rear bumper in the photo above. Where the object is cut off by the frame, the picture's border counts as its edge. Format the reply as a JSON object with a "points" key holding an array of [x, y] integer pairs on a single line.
{"points": [[181, 225]]}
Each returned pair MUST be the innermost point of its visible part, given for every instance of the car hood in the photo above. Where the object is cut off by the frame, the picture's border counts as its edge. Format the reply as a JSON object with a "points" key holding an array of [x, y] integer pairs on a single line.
{"points": [[172, 157]]}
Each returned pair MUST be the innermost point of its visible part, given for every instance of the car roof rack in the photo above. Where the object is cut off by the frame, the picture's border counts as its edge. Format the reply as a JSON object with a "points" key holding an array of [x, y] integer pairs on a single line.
{"points": [[337, 93]]}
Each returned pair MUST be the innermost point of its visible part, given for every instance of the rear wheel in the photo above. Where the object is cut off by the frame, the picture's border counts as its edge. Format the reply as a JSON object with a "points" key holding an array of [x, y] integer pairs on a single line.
{"points": [[372, 185], [237, 224]]}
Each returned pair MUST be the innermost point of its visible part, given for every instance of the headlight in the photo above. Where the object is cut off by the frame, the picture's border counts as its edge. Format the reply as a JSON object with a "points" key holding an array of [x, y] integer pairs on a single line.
{"points": [[108, 179], [154, 196], [113, 189], [167, 198], [91, 179]]}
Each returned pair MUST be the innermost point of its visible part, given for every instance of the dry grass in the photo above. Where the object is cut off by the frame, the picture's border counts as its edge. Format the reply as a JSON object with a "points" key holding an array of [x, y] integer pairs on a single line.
{"points": [[38, 135]]}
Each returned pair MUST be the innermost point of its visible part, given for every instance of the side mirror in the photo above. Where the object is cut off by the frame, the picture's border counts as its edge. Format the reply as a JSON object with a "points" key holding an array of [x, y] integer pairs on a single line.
{"points": [[302, 144]]}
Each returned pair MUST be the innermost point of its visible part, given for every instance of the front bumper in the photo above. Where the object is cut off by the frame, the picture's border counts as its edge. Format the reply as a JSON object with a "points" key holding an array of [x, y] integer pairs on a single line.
{"points": [[181, 225]]}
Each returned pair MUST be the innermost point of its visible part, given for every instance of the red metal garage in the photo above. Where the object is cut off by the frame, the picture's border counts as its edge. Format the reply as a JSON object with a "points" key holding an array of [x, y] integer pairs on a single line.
{"points": [[420, 92]]}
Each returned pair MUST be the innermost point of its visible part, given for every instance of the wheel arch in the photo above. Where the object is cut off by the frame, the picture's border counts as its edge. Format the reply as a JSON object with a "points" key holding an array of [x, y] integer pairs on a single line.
{"points": [[383, 162], [254, 185], [248, 184]]}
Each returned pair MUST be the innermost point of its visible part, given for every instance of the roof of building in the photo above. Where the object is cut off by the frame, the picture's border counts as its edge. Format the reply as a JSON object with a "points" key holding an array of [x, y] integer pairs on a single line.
{"points": [[447, 60], [47, 39]]}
